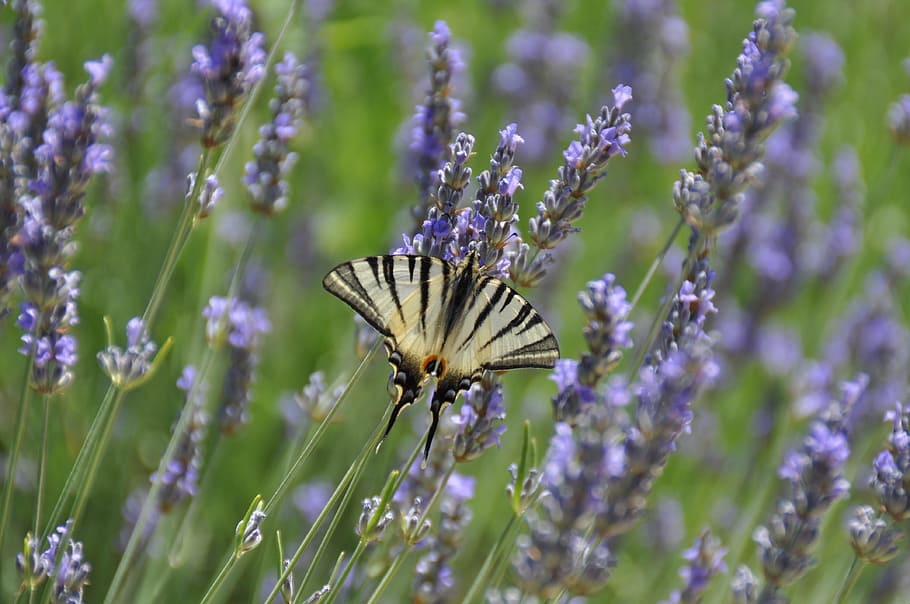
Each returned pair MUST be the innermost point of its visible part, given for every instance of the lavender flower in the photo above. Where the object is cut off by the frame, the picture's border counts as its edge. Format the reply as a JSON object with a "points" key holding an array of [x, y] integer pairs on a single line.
{"points": [[434, 581], [480, 424], [228, 68], [266, 176], [652, 41], [871, 338], [62, 560], [705, 560], [899, 115], [439, 230], [129, 368], [607, 334], [891, 471], [873, 539], [373, 519], [248, 534], [757, 102], [70, 154], [72, 575], [539, 79], [243, 327], [181, 477], [585, 160], [209, 196], [814, 475], [436, 119]]}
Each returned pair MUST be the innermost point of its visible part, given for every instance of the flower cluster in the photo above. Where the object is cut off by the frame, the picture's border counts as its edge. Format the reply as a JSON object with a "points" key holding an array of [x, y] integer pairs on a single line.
{"points": [[539, 79], [606, 334], [243, 327], [481, 422], [71, 152], [652, 40], [814, 476], [63, 561], [891, 471], [436, 118], [435, 581], [180, 478], [899, 115], [128, 368], [705, 560], [265, 177], [584, 164], [228, 68], [757, 102]]}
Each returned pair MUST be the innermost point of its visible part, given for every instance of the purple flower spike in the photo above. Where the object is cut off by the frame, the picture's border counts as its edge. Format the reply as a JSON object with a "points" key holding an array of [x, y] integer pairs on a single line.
{"points": [[228, 68], [266, 176]]}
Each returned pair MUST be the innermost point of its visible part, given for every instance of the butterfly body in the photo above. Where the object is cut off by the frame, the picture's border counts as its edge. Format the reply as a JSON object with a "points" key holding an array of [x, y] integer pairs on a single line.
{"points": [[443, 321]]}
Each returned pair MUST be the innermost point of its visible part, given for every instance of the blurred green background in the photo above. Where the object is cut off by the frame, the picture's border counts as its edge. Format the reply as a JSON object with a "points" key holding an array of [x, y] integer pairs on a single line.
{"points": [[350, 198]]}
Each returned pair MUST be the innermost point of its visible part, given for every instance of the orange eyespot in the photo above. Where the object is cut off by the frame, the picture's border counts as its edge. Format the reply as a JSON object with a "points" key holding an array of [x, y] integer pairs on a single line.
{"points": [[434, 365]]}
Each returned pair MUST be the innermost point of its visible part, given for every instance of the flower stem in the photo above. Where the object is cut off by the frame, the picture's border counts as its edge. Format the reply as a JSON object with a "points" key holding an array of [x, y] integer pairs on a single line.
{"points": [[852, 576], [347, 482], [655, 265], [661, 315], [42, 464], [10, 482], [222, 575], [492, 560]]}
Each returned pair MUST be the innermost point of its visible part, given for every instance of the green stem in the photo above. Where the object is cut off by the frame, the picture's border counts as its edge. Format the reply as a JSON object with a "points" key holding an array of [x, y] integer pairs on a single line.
{"points": [[655, 265], [346, 482], [9, 484], [492, 559], [661, 315], [852, 576], [86, 485], [387, 577], [85, 452], [42, 464], [310, 446], [152, 498], [222, 575], [178, 242]]}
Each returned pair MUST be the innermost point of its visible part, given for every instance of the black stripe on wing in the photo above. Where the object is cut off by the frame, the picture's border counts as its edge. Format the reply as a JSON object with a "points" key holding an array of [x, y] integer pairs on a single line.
{"points": [[343, 282], [541, 354]]}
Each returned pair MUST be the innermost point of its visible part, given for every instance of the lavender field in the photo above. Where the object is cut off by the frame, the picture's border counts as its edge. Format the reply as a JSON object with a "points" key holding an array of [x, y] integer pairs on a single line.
{"points": [[704, 204]]}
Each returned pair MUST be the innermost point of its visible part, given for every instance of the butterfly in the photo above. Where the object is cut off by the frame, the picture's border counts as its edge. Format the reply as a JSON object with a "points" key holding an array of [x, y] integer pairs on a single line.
{"points": [[441, 320]]}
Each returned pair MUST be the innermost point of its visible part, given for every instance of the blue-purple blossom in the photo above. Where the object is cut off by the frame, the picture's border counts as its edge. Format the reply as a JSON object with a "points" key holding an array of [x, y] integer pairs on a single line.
{"points": [[71, 575], [434, 581], [242, 326], [584, 164], [540, 78], [180, 478], [265, 178], [891, 470], [436, 118], [873, 539], [651, 43], [705, 560], [899, 115], [229, 67], [481, 422], [814, 476], [757, 102], [128, 367], [71, 152]]}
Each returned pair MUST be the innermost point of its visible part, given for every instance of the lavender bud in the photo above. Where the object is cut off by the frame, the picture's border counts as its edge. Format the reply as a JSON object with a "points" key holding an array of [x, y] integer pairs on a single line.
{"points": [[411, 528], [745, 586], [249, 534], [873, 539], [72, 575], [373, 520], [128, 368]]}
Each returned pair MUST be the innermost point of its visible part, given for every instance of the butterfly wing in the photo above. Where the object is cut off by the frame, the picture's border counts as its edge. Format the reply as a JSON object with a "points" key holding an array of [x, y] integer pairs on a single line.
{"points": [[402, 298]]}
